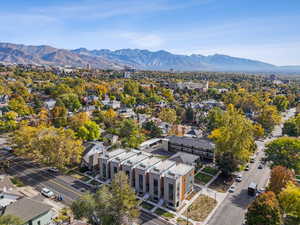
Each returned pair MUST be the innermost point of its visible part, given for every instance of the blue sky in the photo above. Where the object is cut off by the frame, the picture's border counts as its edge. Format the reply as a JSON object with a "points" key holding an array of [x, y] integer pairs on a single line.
{"points": [[267, 30]]}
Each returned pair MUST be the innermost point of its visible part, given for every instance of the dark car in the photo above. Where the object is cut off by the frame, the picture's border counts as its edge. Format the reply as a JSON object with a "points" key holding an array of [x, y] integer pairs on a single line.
{"points": [[260, 166]]}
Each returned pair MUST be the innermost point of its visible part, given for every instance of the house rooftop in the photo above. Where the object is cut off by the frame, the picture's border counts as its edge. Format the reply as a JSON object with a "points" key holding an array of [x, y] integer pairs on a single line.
{"points": [[27, 209], [162, 166], [202, 143]]}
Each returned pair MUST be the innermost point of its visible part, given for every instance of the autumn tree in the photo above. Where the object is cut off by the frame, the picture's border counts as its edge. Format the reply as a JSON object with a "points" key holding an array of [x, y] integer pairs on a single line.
{"points": [[168, 115], [235, 135], [268, 117], [59, 116], [284, 151], [19, 106], [280, 177], [51, 146], [264, 210], [89, 131]]}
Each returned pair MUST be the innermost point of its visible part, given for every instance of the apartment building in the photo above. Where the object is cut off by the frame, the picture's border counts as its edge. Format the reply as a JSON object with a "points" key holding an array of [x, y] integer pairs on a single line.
{"points": [[202, 147], [142, 174], [156, 178], [163, 181], [129, 165], [178, 183]]}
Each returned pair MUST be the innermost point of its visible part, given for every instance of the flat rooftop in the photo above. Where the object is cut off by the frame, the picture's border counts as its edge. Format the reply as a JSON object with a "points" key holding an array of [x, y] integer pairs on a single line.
{"points": [[202, 143], [109, 155], [162, 166], [148, 163], [136, 159], [125, 155], [178, 170]]}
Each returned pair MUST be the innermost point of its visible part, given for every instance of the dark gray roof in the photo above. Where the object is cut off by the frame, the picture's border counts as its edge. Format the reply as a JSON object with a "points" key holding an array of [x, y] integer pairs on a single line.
{"points": [[183, 157], [27, 209], [200, 143]]}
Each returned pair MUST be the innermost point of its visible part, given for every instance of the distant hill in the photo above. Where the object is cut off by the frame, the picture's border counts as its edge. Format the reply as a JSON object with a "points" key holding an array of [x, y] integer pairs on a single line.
{"points": [[139, 59]]}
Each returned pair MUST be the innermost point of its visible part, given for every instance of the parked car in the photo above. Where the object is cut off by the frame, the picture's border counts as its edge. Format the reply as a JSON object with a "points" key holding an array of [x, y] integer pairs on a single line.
{"points": [[260, 166], [47, 193], [232, 189], [239, 178], [252, 159], [7, 148], [261, 190], [247, 168], [53, 170]]}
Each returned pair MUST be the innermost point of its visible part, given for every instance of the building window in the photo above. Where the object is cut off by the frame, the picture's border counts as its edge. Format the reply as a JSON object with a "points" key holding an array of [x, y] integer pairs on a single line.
{"points": [[104, 170], [171, 192], [141, 182], [115, 169], [155, 184]]}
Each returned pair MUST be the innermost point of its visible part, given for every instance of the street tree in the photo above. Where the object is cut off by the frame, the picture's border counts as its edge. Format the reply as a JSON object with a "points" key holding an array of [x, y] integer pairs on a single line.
{"points": [[284, 151], [264, 210], [280, 177], [289, 200]]}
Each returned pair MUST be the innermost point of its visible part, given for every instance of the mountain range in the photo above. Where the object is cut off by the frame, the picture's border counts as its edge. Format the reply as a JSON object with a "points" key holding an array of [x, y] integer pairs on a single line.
{"points": [[139, 59]]}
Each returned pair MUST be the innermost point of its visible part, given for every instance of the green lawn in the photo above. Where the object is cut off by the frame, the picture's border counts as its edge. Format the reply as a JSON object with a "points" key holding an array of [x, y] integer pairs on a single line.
{"points": [[147, 205], [202, 178], [211, 170], [181, 221], [164, 213]]}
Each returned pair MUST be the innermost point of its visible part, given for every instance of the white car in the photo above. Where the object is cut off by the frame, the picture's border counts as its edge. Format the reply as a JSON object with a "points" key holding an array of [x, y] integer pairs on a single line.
{"points": [[239, 178], [47, 193], [232, 189]]}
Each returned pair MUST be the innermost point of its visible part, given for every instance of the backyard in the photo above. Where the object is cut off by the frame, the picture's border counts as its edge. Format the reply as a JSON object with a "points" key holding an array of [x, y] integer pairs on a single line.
{"points": [[210, 170], [221, 184]]}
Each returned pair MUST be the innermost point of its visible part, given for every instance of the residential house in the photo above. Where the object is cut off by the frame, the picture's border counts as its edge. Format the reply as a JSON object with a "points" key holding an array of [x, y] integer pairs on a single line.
{"points": [[126, 113], [30, 211], [91, 154], [50, 104]]}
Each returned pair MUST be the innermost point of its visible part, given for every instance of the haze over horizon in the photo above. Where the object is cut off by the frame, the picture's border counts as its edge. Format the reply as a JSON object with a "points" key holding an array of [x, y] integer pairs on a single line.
{"points": [[266, 31]]}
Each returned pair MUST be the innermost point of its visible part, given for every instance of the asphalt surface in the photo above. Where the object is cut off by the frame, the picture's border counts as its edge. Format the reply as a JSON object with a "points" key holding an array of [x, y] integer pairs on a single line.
{"points": [[232, 210]]}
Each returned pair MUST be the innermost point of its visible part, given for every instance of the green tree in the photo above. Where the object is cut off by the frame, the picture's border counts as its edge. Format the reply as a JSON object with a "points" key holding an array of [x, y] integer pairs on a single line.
{"points": [[268, 117], [10, 220], [90, 131], [152, 129], [84, 207], [264, 210], [289, 200], [59, 116], [284, 151], [71, 101], [292, 126], [281, 102], [19, 106]]}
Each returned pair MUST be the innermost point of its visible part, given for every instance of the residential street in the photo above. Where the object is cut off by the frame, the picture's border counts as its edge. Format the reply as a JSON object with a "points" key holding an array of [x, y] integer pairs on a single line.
{"points": [[233, 208]]}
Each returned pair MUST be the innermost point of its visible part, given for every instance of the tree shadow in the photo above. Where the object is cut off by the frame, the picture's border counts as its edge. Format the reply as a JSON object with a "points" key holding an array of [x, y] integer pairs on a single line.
{"points": [[242, 200]]}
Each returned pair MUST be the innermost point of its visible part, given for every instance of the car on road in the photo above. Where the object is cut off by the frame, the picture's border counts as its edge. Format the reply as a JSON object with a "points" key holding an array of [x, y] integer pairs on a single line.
{"points": [[47, 193], [7, 148], [260, 166], [232, 189], [53, 169], [239, 178]]}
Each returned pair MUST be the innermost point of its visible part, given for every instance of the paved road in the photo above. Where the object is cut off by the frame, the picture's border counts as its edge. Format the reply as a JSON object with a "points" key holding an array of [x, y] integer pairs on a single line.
{"points": [[233, 208]]}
